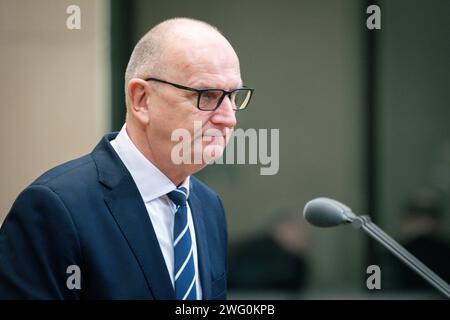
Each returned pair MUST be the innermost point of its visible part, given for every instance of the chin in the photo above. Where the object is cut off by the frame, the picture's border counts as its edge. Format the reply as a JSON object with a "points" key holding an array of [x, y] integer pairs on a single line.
{"points": [[194, 168]]}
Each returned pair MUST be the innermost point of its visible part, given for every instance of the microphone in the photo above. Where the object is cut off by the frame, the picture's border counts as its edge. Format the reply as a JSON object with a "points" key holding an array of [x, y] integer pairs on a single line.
{"points": [[326, 212]]}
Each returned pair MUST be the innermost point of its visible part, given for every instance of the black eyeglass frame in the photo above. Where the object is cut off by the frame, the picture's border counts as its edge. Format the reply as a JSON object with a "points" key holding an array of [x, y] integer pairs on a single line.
{"points": [[202, 91]]}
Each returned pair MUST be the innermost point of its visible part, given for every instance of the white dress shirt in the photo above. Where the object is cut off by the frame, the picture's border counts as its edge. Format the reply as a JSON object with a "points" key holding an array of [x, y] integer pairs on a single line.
{"points": [[153, 186]]}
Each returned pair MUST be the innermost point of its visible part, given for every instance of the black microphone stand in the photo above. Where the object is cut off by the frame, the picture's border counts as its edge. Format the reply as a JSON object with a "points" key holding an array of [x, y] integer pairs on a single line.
{"points": [[412, 262]]}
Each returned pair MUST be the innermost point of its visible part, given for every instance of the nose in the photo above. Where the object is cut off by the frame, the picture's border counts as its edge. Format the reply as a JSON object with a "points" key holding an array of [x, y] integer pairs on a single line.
{"points": [[224, 115]]}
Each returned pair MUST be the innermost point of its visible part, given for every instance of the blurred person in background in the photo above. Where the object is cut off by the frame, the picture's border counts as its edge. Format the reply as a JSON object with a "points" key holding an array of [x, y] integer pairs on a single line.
{"points": [[422, 234], [275, 260]]}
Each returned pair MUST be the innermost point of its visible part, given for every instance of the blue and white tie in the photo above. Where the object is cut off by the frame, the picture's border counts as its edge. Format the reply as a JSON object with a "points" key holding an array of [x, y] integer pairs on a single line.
{"points": [[185, 279]]}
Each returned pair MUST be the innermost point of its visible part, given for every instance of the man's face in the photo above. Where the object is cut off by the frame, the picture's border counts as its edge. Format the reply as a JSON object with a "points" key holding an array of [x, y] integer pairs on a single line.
{"points": [[214, 65]]}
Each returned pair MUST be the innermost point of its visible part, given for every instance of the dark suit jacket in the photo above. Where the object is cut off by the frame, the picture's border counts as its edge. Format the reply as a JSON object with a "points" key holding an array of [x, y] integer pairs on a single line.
{"points": [[88, 212]]}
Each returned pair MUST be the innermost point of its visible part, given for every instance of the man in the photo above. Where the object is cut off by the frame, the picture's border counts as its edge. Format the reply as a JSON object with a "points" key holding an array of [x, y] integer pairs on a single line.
{"points": [[421, 227], [127, 221]]}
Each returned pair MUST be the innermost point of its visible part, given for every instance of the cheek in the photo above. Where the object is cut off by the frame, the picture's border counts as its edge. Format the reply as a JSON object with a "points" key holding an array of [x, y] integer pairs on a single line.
{"points": [[183, 125], [175, 119], [194, 122], [161, 127]]}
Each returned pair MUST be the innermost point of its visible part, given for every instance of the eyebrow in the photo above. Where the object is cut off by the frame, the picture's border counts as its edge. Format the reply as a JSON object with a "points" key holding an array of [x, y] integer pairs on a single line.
{"points": [[202, 85]]}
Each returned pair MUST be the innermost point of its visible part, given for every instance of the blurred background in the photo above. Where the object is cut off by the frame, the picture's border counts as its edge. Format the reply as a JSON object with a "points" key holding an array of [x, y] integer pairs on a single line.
{"points": [[363, 116]]}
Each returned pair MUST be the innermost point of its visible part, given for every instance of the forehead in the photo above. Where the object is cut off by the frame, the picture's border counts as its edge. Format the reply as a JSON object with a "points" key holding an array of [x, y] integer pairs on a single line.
{"points": [[205, 64], [210, 76]]}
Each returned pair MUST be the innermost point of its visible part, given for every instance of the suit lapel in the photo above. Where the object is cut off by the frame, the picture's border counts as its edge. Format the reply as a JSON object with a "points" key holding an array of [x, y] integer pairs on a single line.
{"points": [[202, 244], [130, 213], [128, 210]]}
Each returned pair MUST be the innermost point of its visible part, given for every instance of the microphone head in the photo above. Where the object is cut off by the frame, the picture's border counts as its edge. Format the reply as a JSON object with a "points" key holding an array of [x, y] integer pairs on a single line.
{"points": [[326, 212]]}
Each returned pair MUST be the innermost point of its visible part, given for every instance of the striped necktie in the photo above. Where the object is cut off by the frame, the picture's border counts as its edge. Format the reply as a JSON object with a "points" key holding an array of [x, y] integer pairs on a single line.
{"points": [[185, 278]]}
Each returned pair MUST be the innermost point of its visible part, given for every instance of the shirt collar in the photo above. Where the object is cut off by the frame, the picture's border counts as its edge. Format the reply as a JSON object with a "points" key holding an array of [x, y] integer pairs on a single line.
{"points": [[150, 181]]}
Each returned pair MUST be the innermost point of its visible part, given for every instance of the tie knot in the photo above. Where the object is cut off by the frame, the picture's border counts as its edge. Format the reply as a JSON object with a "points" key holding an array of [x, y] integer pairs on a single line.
{"points": [[178, 196]]}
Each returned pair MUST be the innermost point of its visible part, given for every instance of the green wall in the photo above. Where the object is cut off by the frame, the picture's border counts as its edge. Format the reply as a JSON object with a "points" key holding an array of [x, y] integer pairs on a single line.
{"points": [[308, 62], [414, 95]]}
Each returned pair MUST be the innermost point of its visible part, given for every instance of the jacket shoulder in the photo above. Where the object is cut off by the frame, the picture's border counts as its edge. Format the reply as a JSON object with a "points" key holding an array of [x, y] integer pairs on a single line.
{"points": [[70, 172]]}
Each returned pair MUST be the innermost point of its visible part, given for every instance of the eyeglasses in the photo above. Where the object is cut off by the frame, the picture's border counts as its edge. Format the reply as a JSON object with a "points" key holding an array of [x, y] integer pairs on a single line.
{"points": [[210, 99]]}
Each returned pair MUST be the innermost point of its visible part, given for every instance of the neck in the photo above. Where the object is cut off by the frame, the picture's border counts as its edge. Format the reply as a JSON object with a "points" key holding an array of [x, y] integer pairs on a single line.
{"points": [[176, 173]]}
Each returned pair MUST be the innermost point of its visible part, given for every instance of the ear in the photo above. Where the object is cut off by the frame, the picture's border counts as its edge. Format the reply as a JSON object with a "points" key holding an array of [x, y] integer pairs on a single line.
{"points": [[138, 93]]}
